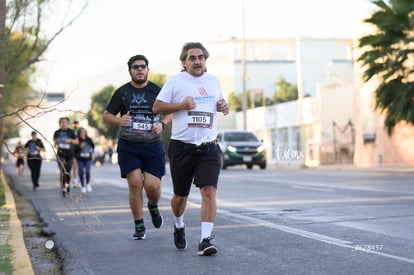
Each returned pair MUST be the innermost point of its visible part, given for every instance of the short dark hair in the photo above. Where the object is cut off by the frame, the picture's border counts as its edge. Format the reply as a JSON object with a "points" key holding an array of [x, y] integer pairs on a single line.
{"points": [[192, 45], [64, 118], [135, 58]]}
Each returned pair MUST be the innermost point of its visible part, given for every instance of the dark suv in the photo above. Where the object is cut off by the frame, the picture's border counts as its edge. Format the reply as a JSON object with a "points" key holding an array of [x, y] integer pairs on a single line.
{"points": [[241, 147]]}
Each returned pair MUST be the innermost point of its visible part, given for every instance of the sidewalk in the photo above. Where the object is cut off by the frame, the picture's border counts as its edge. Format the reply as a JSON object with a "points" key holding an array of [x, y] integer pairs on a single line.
{"points": [[20, 260]]}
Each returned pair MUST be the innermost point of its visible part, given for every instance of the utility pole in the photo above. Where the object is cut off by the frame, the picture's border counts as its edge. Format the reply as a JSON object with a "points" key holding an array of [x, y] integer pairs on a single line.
{"points": [[2, 72], [243, 63], [299, 77]]}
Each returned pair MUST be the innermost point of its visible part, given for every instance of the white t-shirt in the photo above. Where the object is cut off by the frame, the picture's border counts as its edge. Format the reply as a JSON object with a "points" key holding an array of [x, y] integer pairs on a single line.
{"points": [[199, 124]]}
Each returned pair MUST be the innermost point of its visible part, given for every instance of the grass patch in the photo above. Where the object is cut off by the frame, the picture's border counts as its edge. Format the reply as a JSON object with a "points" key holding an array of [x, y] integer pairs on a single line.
{"points": [[2, 198], [6, 266], [5, 259]]}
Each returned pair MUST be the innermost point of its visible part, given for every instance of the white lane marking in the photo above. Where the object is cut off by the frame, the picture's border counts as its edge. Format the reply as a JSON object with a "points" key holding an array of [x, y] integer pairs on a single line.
{"points": [[299, 232], [195, 203], [311, 235], [313, 188], [336, 185]]}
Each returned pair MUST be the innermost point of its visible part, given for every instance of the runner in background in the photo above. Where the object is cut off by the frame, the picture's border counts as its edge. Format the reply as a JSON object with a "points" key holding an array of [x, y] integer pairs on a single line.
{"points": [[75, 170], [84, 154], [34, 159], [19, 153], [65, 139]]}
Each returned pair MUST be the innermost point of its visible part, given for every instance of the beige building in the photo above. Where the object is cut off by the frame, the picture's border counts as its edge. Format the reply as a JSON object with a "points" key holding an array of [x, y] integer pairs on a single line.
{"points": [[334, 124], [374, 147]]}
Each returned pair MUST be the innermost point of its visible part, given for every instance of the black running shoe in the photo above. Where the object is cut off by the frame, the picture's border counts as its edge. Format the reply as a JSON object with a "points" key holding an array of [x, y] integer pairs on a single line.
{"points": [[179, 238], [156, 217], [139, 233], [205, 248], [65, 193]]}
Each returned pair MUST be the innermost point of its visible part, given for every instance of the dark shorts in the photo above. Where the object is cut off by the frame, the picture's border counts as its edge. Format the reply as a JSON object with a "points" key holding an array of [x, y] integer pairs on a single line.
{"points": [[19, 162], [190, 163], [149, 158]]}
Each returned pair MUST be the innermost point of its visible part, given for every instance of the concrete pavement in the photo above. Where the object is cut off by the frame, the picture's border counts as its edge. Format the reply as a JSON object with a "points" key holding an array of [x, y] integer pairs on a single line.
{"points": [[21, 260]]}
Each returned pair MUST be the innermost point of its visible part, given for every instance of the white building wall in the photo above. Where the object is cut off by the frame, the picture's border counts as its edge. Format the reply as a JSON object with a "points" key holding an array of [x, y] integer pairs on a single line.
{"points": [[322, 60], [281, 127], [278, 126]]}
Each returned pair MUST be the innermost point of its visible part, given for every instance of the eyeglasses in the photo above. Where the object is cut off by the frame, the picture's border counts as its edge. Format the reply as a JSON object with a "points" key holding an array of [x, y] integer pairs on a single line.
{"points": [[136, 67]]}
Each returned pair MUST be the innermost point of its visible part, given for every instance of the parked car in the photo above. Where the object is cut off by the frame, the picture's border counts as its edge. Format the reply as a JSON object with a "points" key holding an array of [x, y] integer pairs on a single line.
{"points": [[241, 147]]}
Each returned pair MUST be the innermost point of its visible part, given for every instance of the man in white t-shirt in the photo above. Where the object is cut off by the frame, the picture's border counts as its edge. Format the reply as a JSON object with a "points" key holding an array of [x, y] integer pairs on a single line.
{"points": [[193, 97]]}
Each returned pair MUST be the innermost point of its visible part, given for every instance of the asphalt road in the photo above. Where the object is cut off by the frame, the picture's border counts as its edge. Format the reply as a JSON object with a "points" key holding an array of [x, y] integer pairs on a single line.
{"points": [[274, 221]]}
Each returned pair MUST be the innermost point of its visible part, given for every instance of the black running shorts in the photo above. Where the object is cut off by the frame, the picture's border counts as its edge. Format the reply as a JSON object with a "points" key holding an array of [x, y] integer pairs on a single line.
{"points": [[193, 164]]}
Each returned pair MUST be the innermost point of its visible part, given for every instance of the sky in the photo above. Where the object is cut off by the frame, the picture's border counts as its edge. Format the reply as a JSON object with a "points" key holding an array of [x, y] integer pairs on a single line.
{"points": [[109, 31]]}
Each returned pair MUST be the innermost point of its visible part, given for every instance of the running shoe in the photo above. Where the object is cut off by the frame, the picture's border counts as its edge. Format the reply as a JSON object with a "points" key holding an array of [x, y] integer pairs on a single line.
{"points": [[139, 233], [156, 217], [65, 192], [205, 248], [179, 238], [88, 188], [75, 183]]}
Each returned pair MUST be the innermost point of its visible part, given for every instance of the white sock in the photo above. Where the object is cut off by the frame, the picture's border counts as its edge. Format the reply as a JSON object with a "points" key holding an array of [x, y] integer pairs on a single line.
{"points": [[179, 221], [206, 229]]}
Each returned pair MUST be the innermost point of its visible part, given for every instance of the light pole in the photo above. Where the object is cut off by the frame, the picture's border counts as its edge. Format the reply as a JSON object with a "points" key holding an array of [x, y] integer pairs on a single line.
{"points": [[243, 63], [299, 80]]}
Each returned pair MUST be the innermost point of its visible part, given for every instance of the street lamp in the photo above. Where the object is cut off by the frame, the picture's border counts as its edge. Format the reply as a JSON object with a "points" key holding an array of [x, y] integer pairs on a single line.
{"points": [[299, 80], [243, 63]]}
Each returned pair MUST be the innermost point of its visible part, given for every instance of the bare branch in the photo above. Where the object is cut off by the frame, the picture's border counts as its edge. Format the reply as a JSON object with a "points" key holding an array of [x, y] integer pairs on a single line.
{"points": [[57, 33]]}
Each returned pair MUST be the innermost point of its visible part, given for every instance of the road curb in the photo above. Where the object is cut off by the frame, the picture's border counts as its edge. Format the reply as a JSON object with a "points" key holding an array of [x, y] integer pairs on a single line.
{"points": [[21, 260]]}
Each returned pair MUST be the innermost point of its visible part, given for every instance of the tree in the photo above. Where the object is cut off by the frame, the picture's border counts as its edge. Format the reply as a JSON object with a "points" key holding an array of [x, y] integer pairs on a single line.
{"points": [[98, 104], [23, 44], [388, 57], [286, 92], [158, 79], [235, 102]]}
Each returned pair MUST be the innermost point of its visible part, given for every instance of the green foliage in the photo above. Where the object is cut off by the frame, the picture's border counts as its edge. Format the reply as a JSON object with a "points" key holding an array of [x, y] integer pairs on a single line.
{"points": [[387, 58], [286, 92], [23, 45], [5, 250], [235, 102], [6, 259], [158, 79], [99, 101], [2, 197], [16, 57]]}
